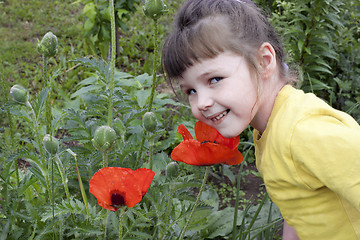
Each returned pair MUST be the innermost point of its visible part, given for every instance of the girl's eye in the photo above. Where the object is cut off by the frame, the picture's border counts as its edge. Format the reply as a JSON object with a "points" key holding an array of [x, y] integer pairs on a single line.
{"points": [[190, 91], [215, 80]]}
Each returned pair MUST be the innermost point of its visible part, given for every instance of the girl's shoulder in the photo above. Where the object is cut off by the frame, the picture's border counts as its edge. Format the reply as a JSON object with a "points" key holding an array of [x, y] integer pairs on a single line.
{"points": [[297, 106]]}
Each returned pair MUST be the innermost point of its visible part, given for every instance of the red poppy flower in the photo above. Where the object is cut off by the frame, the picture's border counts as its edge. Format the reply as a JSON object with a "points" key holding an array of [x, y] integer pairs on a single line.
{"points": [[209, 148], [115, 187]]}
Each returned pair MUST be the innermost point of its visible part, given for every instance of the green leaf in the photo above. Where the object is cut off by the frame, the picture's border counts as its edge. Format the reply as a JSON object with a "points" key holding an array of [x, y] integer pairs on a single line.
{"points": [[300, 44], [142, 96], [229, 174], [90, 11], [90, 80], [84, 90], [88, 25], [316, 68], [220, 222]]}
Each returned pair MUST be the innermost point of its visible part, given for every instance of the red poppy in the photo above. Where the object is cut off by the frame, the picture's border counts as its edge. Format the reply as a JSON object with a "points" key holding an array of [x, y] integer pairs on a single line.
{"points": [[209, 148], [115, 187]]}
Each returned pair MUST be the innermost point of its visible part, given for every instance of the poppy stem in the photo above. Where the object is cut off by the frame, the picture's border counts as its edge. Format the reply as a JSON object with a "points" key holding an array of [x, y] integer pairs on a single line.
{"points": [[105, 159], [82, 189], [154, 65], [151, 152], [52, 194], [121, 221], [138, 157], [153, 87], [196, 202], [112, 62]]}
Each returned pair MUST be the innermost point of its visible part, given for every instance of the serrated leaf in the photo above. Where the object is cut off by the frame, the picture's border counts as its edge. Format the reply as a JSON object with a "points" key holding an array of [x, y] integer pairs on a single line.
{"points": [[89, 80], [317, 68], [84, 90]]}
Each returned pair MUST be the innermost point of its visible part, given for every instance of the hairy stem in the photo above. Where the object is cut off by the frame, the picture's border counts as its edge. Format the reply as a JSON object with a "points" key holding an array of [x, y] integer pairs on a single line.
{"points": [[36, 129], [63, 176], [121, 221], [153, 87], [112, 62], [105, 159], [196, 202], [154, 66]]}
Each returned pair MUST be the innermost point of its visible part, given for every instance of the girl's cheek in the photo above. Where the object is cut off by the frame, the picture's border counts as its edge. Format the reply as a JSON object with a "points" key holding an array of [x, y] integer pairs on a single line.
{"points": [[197, 115], [193, 110]]}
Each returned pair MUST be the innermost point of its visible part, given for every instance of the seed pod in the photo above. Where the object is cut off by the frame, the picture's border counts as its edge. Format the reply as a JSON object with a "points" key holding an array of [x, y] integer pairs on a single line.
{"points": [[104, 138], [48, 46], [172, 170], [149, 121], [19, 93], [154, 8], [51, 144]]}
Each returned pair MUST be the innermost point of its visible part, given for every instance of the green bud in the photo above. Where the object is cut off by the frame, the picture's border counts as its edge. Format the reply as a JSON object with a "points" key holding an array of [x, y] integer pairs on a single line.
{"points": [[48, 45], [19, 93], [172, 170], [154, 8], [104, 138], [51, 144], [149, 121]]}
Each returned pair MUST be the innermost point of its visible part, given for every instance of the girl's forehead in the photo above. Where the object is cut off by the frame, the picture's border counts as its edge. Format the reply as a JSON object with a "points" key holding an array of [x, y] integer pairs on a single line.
{"points": [[222, 63]]}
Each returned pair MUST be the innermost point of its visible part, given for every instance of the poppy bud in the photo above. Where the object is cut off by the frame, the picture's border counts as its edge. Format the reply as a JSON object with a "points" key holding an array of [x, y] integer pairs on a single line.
{"points": [[48, 45], [154, 8], [172, 170], [104, 138], [149, 121], [19, 93], [51, 144]]}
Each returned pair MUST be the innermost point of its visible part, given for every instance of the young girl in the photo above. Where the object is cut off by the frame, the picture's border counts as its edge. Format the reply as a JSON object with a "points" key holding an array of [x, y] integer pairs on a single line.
{"points": [[229, 61]]}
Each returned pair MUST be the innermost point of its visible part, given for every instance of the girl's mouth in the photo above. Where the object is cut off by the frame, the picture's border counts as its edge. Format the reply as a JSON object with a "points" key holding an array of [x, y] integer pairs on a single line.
{"points": [[220, 116]]}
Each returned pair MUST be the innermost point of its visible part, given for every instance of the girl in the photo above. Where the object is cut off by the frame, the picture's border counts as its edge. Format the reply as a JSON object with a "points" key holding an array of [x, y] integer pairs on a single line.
{"points": [[229, 61]]}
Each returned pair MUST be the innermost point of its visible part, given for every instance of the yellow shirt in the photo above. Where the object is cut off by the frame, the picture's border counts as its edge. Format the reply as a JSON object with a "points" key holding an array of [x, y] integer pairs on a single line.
{"points": [[309, 158]]}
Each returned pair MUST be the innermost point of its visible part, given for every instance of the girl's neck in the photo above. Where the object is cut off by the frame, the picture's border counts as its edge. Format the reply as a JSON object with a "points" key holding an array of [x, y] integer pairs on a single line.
{"points": [[265, 104]]}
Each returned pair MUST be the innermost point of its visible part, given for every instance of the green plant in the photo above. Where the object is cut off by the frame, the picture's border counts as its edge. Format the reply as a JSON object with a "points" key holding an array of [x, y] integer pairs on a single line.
{"points": [[97, 24], [45, 194], [322, 39]]}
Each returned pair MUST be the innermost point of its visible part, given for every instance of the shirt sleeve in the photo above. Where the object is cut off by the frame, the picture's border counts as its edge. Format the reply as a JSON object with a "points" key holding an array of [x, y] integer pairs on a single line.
{"points": [[329, 150]]}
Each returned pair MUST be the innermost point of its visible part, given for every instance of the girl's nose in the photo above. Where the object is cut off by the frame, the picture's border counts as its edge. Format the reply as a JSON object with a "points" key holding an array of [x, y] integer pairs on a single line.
{"points": [[205, 101]]}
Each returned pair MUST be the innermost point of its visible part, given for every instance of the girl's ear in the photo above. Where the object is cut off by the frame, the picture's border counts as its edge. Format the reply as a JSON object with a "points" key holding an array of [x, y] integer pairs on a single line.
{"points": [[267, 60]]}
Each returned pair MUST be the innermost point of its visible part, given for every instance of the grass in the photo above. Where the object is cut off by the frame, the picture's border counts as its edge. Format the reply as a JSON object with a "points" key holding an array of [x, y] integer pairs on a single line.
{"points": [[23, 24]]}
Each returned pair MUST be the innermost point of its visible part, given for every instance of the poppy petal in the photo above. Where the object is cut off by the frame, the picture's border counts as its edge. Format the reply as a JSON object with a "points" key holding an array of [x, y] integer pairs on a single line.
{"points": [[205, 133], [144, 178], [212, 153], [184, 132], [194, 153], [187, 152], [209, 148], [236, 159], [120, 185]]}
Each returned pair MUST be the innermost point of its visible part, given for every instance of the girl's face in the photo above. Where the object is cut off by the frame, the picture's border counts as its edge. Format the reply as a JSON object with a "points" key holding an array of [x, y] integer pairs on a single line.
{"points": [[222, 93]]}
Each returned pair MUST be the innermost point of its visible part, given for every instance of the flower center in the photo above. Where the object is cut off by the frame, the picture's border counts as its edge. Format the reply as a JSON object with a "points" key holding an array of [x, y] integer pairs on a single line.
{"points": [[117, 200], [207, 141]]}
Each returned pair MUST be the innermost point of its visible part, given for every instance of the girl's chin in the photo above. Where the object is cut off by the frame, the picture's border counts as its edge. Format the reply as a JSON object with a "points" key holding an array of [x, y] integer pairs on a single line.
{"points": [[230, 132]]}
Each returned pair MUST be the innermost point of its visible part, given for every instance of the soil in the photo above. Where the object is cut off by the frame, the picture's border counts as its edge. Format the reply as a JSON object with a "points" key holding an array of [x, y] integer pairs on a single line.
{"points": [[251, 185]]}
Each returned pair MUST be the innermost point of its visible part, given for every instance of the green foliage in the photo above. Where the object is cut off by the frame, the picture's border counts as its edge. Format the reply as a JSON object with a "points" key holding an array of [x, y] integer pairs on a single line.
{"points": [[45, 196], [322, 39], [97, 24]]}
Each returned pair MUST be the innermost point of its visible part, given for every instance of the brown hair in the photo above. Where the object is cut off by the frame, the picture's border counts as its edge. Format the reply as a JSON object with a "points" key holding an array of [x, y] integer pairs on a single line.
{"points": [[204, 28]]}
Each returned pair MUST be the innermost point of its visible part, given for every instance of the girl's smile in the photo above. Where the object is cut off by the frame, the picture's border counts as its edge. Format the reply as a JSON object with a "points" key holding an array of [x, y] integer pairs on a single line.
{"points": [[221, 92]]}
